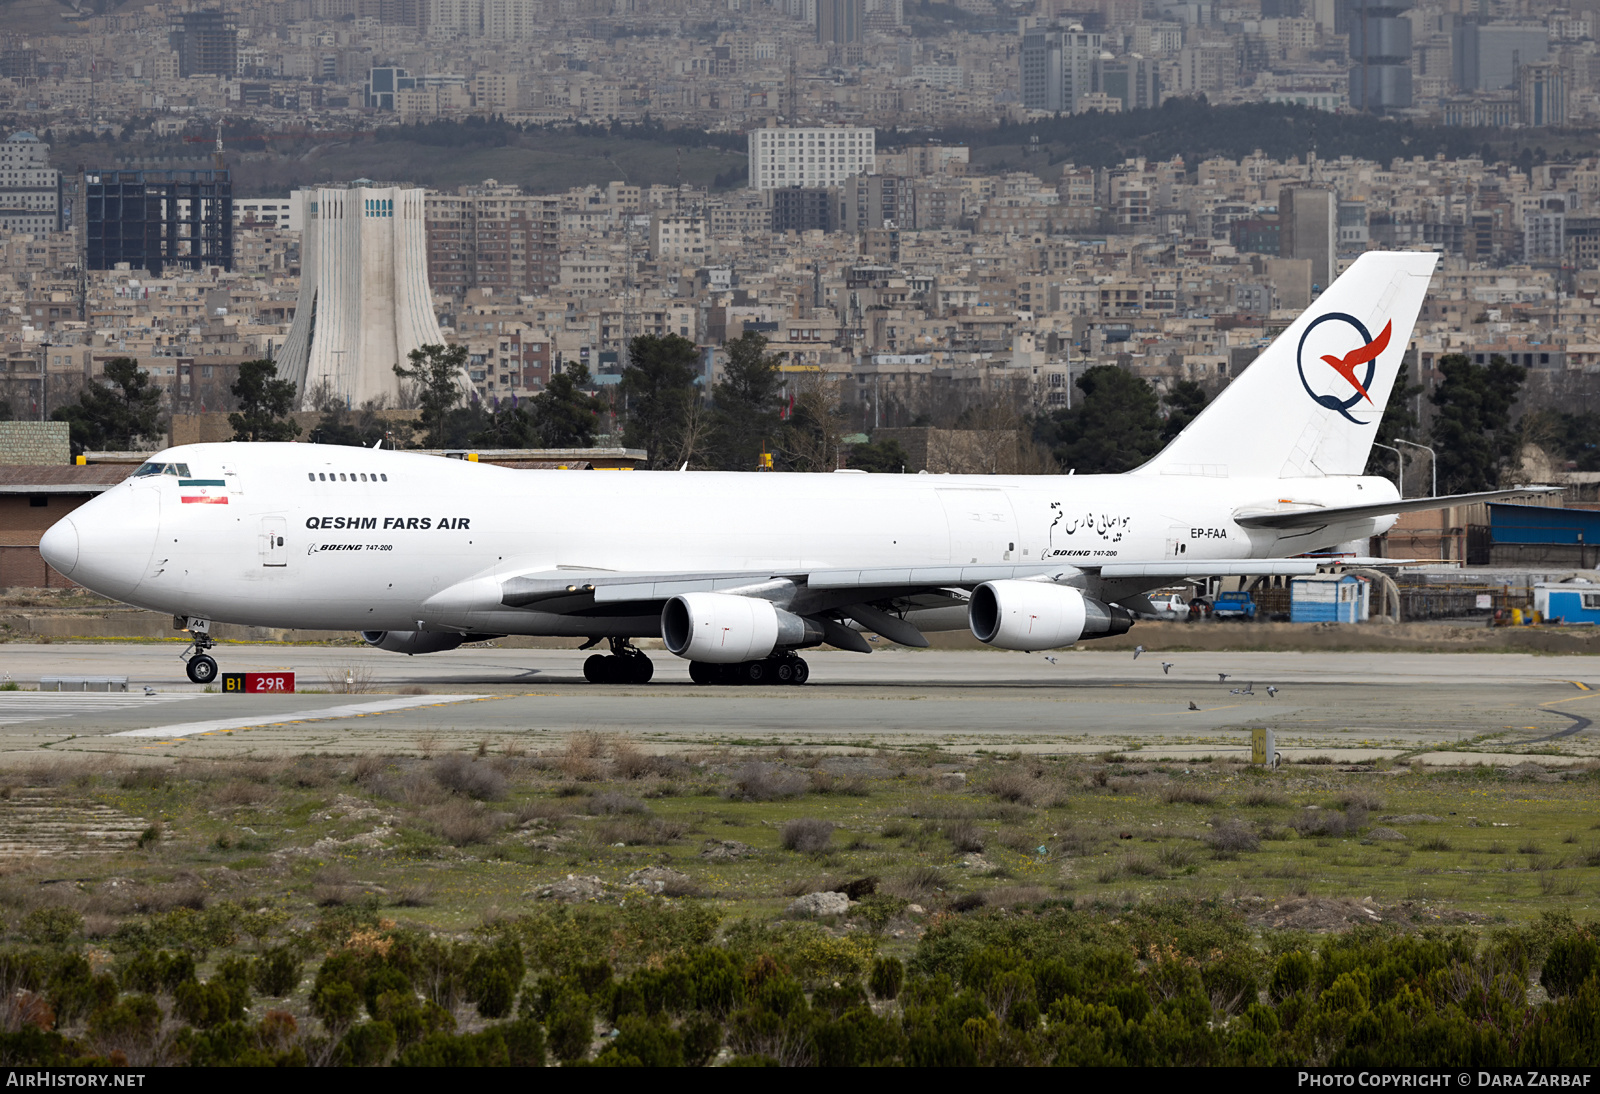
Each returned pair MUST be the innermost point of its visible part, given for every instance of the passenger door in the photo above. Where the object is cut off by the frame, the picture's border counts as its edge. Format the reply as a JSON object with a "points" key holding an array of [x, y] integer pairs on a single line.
{"points": [[274, 540]]}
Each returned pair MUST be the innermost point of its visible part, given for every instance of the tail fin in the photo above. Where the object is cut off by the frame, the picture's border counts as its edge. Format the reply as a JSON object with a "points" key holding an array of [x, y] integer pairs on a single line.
{"points": [[1310, 404]]}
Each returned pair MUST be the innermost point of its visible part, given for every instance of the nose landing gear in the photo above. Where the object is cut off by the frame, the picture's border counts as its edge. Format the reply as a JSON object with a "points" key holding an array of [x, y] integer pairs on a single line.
{"points": [[623, 665], [200, 666]]}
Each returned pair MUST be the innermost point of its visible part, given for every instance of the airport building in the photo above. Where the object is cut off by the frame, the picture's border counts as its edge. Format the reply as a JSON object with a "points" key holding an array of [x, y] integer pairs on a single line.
{"points": [[364, 301]]}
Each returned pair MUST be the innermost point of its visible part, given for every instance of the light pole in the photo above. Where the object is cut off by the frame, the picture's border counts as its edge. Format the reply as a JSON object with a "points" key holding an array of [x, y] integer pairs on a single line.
{"points": [[1433, 461], [1400, 467]]}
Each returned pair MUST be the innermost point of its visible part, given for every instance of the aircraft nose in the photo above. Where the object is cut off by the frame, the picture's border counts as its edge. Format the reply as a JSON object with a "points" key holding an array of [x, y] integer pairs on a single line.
{"points": [[59, 546], [107, 542]]}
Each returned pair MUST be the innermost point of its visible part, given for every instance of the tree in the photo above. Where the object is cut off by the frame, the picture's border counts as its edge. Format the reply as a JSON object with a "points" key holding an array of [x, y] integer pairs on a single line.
{"points": [[1114, 428], [1184, 403], [811, 436], [265, 403], [436, 376], [1472, 430], [1397, 421], [117, 413], [880, 456], [565, 415], [658, 387], [747, 401]]}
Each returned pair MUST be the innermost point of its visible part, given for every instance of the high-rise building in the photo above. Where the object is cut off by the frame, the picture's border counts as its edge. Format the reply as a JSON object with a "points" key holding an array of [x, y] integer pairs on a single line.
{"points": [[1485, 56], [493, 237], [805, 209], [1542, 93], [840, 22], [1309, 216], [30, 189], [808, 157], [206, 44], [364, 303], [1058, 66], [1134, 80], [1380, 54], [382, 83], [155, 219], [878, 201]]}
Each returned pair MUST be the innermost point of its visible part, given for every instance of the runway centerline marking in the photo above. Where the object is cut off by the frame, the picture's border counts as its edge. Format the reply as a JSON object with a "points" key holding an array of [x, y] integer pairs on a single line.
{"points": [[381, 706]]}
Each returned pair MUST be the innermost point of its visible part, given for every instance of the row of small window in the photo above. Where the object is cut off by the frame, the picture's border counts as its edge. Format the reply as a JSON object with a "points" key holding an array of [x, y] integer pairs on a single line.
{"points": [[331, 476]]}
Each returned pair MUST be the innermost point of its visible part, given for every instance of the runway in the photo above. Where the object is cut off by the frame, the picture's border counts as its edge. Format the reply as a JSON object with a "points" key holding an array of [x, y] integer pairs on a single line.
{"points": [[1432, 708]]}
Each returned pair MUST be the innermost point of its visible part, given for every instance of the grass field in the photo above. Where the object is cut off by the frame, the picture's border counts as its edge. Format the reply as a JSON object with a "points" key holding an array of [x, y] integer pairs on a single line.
{"points": [[600, 851]]}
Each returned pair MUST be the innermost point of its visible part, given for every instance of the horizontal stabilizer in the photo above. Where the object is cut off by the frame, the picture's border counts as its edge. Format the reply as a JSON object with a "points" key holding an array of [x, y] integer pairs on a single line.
{"points": [[1318, 517]]}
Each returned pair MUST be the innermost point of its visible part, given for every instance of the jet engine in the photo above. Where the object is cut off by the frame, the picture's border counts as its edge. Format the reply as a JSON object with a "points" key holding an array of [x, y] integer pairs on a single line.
{"points": [[414, 642], [1031, 615], [724, 629]]}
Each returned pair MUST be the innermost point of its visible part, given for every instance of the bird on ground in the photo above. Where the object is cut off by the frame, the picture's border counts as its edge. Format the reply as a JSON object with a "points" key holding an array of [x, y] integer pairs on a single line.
{"points": [[1222, 677], [1192, 706], [1166, 668], [1050, 659], [1272, 691], [148, 690], [1137, 650]]}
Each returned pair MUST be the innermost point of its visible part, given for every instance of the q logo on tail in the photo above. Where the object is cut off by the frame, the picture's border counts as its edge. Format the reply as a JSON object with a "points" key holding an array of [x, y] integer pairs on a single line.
{"points": [[1331, 360]]}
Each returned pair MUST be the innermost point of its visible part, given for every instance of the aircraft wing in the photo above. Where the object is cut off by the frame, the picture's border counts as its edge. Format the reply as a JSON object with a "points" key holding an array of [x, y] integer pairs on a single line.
{"points": [[580, 591], [1322, 515]]}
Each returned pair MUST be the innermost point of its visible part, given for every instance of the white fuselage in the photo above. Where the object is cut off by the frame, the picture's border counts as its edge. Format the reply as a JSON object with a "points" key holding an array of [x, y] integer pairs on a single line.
{"points": [[326, 537]]}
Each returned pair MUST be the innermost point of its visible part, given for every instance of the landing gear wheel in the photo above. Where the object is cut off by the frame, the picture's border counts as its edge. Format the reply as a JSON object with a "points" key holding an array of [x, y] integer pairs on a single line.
{"points": [[754, 672], [702, 673], [784, 670], [595, 669], [201, 669], [639, 668], [802, 671]]}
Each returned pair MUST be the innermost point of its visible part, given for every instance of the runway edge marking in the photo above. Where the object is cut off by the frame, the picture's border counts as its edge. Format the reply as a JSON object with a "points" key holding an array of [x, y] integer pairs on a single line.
{"points": [[348, 710]]}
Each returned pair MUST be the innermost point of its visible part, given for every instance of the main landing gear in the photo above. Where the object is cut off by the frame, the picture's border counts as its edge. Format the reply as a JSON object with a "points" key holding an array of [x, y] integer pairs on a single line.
{"points": [[623, 665], [201, 666], [780, 668]]}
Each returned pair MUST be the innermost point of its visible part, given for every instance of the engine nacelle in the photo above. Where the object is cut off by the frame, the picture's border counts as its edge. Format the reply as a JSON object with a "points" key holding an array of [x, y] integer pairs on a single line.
{"points": [[415, 642], [1031, 615], [724, 629]]}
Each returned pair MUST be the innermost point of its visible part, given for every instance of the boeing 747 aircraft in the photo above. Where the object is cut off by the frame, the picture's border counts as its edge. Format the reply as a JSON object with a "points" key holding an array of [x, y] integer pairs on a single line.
{"points": [[737, 573]]}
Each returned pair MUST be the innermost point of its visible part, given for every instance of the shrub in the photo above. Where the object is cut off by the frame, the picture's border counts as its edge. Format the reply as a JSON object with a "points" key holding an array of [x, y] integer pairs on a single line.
{"points": [[1183, 794], [1013, 786], [610, 802], [570, 1025], [462, 823], [1573, 959], [367, 1045], [1233, 836], [210, 1004], [758, 782], [642, 1042], [1319, 822], [806, 835], [964, 836], [51, 926], [1293, 973], [276, 972], [459, 773], [1265, 799], [888, 974], [157, 971]]}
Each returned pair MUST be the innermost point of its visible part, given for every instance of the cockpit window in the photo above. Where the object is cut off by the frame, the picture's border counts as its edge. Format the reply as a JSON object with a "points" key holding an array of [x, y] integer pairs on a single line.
{"points": [[179, 470]]}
